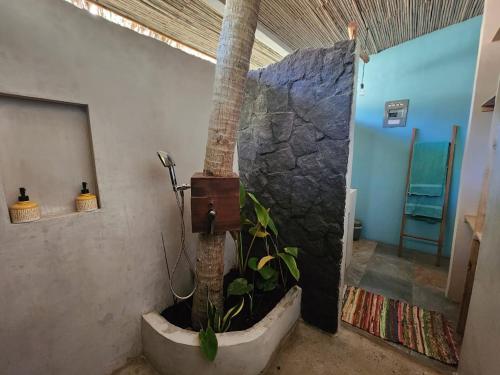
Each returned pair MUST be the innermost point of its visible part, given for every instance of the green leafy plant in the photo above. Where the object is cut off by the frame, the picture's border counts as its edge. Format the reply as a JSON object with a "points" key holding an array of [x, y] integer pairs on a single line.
{"points": [[263, 229], [241, 287], [208, 343], [218, 322], [265, 274]]}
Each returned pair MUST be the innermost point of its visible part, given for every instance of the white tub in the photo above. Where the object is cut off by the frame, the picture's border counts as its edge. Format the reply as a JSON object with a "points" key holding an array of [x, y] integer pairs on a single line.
{"points": [[175, 351]]}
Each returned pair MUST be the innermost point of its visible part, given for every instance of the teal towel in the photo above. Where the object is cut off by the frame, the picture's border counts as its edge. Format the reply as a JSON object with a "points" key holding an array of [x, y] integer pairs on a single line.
{"points": [[424, 207], [428, 168]]}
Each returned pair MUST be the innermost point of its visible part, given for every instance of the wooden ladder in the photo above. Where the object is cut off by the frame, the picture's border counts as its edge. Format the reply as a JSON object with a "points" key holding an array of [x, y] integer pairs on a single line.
{"points": [[402, 234]]}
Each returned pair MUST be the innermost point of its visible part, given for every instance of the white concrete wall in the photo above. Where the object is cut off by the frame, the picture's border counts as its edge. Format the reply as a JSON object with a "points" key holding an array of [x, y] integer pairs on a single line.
{"points": [[475, 153], [479, 354], [73, 289]]}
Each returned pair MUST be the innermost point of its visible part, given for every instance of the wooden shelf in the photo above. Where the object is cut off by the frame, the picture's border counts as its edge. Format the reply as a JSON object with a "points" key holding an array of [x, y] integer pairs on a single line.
{"points": [[68, 215], [489, 105], [471, 221]]}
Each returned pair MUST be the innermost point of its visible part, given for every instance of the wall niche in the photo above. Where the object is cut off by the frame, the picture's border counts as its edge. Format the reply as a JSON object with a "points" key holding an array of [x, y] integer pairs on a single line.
{"points": [[46, 147]]}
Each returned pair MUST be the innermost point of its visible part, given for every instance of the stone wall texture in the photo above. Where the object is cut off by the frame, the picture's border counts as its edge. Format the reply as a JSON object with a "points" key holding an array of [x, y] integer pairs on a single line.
{"points": [[293, 148]]}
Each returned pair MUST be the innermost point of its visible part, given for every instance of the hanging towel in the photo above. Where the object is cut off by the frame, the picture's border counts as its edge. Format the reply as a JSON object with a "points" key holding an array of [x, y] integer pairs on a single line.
{"points": [[428, 168], [429, 164], [424, 207]]}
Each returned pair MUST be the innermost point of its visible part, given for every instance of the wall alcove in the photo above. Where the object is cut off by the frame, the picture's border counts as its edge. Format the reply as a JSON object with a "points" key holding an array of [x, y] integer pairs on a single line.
{"points": [[46, 147]]}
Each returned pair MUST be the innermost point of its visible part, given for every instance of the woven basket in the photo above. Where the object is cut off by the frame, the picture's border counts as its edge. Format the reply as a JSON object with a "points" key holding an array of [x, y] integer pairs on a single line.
{"points": [[24, 212], [86, 202]]}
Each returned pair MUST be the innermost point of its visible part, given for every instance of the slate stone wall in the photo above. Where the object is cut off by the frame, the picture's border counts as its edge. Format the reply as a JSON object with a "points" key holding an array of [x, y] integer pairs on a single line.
{"points": [[293, 147]]}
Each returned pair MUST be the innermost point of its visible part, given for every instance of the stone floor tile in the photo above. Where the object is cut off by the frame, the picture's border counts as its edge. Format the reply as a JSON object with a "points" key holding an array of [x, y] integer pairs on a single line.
{"points": [[354, 275], [392, 266], [432, 276], [434, 299], [387, 285], [392, 250]]}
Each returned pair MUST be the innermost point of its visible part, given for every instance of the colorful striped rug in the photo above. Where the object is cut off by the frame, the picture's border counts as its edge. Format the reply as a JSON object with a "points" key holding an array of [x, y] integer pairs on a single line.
{"points": [[427, 332]]}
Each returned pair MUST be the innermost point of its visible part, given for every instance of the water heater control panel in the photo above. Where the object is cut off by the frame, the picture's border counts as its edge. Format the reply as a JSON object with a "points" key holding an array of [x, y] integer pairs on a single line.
{"points": [[395, 113]]}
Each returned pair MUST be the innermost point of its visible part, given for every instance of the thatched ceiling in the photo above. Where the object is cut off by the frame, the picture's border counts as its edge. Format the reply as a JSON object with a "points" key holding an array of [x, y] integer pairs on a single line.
{"points": [[301, 23]]}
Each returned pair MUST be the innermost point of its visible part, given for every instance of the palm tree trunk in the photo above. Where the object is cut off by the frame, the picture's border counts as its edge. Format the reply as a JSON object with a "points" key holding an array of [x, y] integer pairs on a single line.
{"points": [[233, 61]]}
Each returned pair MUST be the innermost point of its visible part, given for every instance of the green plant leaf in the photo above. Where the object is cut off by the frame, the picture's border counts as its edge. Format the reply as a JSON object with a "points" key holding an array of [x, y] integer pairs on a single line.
{"points": [[262, 215], [253, 198], [255, 231], [269, 284], [245, 221], [268, 272], [208, 343], [260, 211], [211, 311], [272, 226], [252, 263], [293, 251], [291, 264], [231, 313], [263, 261], [243, 195], [239, 287], [218, 323]]}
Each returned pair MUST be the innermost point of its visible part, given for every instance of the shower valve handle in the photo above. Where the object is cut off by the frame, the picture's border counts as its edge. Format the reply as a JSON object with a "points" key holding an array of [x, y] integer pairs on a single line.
{"points": [[211, 220]]}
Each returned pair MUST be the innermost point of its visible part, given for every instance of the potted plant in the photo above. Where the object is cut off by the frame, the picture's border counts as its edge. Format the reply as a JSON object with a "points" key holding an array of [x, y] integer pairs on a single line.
{"points": [[262, 305]]}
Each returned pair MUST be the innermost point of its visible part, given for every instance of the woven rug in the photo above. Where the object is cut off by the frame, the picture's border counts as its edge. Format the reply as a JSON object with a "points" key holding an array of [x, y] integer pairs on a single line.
{"points": [[427, 332]]}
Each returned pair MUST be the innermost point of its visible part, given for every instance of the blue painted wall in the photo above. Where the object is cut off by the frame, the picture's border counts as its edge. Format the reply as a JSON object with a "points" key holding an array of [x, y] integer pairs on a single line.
{"points": [[436, 73]]}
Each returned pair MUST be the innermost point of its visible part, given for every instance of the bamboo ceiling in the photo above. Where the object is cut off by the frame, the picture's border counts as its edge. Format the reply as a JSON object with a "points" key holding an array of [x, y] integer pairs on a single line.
{"points": [[301, 23]]}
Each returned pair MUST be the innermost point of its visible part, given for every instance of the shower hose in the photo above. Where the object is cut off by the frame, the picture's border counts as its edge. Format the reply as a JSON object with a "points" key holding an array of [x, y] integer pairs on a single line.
{"points": [[179, 197]]}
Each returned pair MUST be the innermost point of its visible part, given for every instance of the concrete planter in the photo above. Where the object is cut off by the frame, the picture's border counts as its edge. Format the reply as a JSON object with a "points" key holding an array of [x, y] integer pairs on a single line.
{"points": [[175, 351]]}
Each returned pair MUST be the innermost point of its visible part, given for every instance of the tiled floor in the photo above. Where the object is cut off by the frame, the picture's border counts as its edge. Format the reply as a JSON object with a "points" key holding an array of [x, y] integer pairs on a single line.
{"points": [[413, 278]]}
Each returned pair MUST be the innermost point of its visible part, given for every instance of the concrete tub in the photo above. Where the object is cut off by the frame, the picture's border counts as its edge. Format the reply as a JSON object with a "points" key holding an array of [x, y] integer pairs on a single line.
{"points": [[175, 351]]}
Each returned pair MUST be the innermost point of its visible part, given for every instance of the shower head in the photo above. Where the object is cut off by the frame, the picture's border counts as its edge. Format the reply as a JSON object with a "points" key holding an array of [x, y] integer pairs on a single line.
{"points": [[166, 159], [168, 162]]}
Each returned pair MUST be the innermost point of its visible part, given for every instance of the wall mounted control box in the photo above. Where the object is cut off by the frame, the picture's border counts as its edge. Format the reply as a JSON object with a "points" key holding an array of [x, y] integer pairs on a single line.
{"points": [[219, 196], [395, 113]]}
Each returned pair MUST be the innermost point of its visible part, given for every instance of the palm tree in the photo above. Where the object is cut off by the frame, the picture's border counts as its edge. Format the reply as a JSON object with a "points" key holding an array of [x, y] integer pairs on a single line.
{"points": [[233, 61]]}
